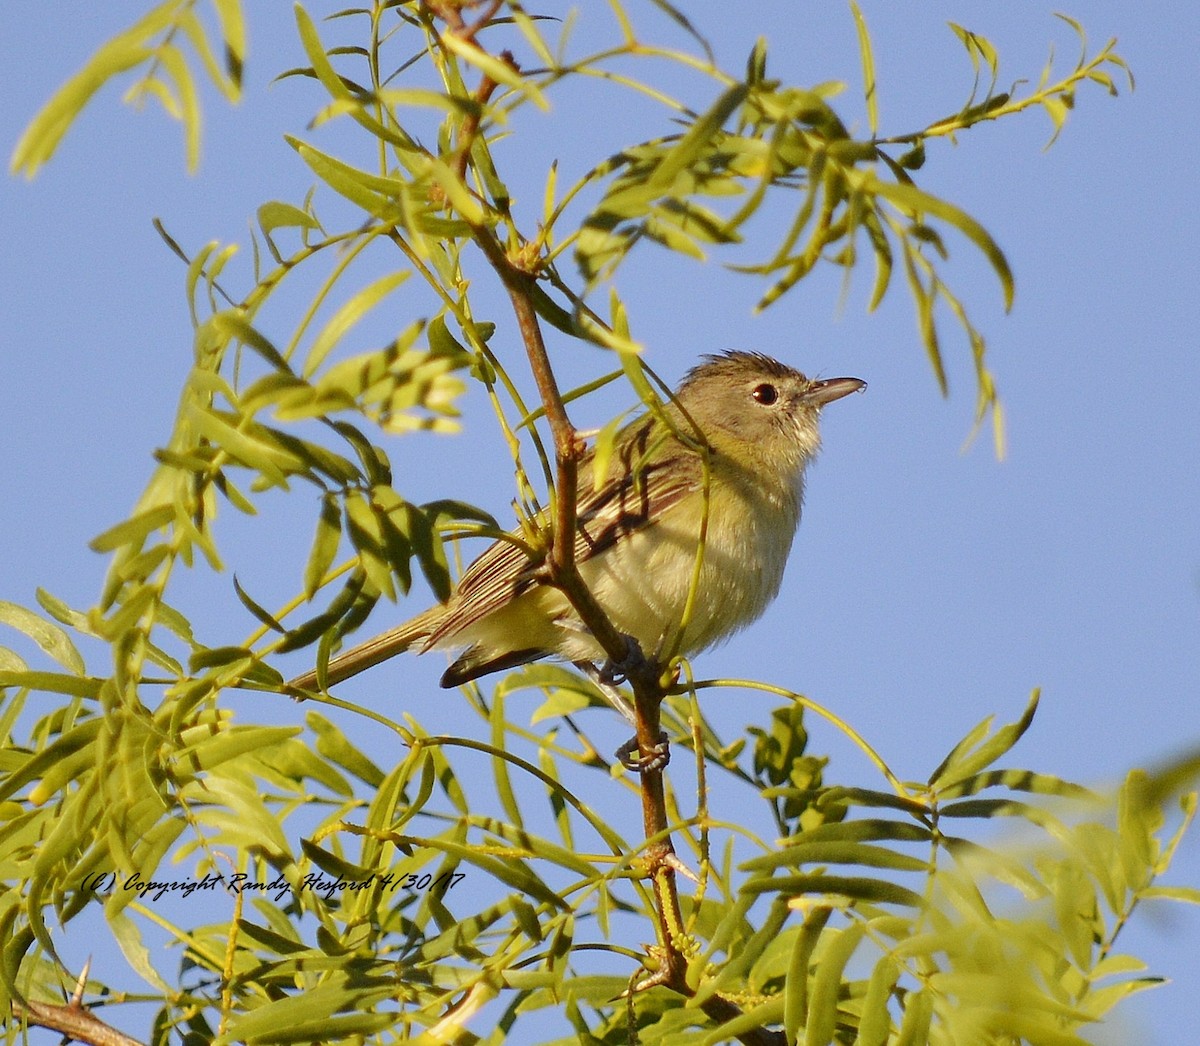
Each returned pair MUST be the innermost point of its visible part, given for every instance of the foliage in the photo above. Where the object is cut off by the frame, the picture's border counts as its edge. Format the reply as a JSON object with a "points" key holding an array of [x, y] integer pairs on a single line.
{"points": [[399, 903]]}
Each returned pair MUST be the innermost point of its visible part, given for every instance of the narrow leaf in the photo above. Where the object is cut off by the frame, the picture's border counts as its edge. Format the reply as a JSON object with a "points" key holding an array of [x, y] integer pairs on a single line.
{"points": [[348, 315], [499, 71], [827, 985], [910, 198], [697, 138], [868, 67], [325, 545], [133, 531], [965, 765], [124, 51], [46, 634]]}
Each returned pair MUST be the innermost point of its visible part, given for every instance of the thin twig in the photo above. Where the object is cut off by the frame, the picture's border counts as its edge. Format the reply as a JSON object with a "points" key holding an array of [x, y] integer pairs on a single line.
{"points": [[481, 22], [452, 16], [470, 126]]}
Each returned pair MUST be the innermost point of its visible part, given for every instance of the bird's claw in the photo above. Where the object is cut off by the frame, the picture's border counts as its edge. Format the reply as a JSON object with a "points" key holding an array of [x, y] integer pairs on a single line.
{"points": [[616, 672], [630, 755]]}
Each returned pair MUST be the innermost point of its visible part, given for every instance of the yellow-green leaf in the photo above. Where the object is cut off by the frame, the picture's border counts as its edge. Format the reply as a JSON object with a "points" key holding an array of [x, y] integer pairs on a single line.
{"points": [[348, 315], [46, 634]]}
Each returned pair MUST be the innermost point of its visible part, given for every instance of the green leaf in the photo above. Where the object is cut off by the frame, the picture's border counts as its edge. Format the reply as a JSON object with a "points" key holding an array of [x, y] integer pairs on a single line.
{"points": [[977, 47], [53, 683], [296, 761], [1017, 781], [963, 762], [564, 702], [61, 611], [277, 215], [801, 851], [46, 634], [1075, 909], [795, 989], [209, 750], [248, 443], [133, 531], [1186, 894], [868, 67], [875, 1021], [260, 612], [217, 657], [233, 323], [325, 544], [366, 535], [512, 870], [1137, 823], [749, 1021], [1099, 1001], [175, 65], [348, 315], [225, 76], [324, 71], [334, 864], [914, 200], [129, 938], [322, 1013], [918, 1016], [78, 738], [1114, 965], [237, 814], [697, 138], [857, 888], [335, 746], [748, 951], [457, 194], [827, 984], [499, 71], [374, 194], [124, 51], [233, 33]]}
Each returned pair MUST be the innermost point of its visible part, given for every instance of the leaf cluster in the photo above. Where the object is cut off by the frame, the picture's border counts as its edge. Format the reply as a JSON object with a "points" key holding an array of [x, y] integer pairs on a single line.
{"points": [[872, 916]]}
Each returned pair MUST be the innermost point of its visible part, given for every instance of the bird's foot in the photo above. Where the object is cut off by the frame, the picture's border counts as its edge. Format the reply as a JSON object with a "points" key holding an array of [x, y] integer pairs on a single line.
{"points": [[614, 672], [609, 690], [630, 755]]}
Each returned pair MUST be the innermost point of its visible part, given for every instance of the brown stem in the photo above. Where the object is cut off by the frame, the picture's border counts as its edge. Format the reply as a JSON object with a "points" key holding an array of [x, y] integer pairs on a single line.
{"points": [[722, 1010], [451, 15], [74, 1020], [660, 855], [448, 13], [470, 126], [468, 32]]}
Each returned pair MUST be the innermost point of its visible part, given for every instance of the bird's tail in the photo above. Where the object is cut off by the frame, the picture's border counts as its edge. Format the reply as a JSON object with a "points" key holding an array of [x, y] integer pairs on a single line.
{"points": [[366, 655]]}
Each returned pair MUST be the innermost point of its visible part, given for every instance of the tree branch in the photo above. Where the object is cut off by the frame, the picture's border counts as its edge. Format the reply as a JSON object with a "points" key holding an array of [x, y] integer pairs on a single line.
{"points": [[73, 1020], [644, 675]]}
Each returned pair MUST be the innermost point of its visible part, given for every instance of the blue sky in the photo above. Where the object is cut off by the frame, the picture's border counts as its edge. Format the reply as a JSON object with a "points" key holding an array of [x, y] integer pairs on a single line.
{"points": [[930, 585]]}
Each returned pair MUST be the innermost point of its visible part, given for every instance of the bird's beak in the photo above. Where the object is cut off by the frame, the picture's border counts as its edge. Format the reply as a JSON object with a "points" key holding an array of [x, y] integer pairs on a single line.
{"points": [[821, 392]]}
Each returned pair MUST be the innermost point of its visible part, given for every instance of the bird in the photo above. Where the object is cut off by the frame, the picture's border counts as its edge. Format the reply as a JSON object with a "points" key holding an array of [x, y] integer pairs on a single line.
{"points": [[716, 473]]}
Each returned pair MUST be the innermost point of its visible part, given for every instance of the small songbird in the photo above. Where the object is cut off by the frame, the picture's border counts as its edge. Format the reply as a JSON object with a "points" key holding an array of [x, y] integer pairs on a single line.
{"points": [[640, 527]]}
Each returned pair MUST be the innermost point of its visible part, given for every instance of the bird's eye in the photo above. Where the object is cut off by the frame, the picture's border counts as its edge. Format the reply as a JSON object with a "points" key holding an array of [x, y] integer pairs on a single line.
{"points": [[765, 394]]}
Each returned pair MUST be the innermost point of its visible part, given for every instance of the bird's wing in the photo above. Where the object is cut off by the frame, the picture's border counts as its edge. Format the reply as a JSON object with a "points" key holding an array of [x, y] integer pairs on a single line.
{"points": [[623, 504]]}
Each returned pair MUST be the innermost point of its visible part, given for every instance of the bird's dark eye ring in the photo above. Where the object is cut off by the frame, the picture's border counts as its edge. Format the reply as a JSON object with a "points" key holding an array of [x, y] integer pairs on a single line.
{"points": [[766, 394]]}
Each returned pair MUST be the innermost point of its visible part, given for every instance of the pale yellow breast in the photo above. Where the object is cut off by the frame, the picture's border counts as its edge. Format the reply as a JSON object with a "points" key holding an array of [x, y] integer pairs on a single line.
{"points": [[645, 582]]}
